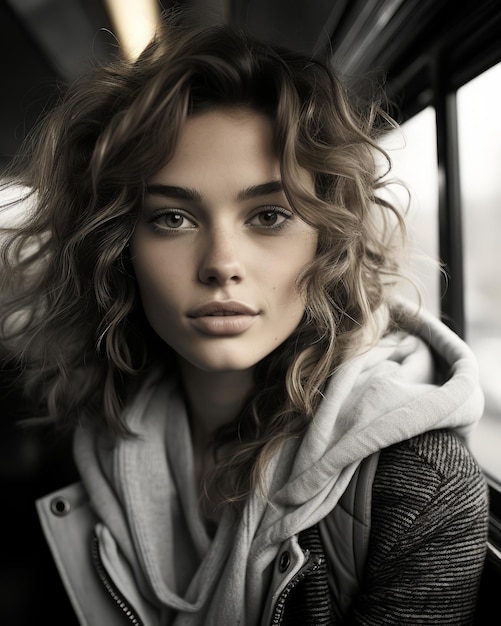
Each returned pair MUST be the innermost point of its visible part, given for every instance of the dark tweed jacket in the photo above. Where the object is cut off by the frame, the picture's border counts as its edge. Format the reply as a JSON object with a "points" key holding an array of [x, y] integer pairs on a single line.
{"points": [[427, 543]]}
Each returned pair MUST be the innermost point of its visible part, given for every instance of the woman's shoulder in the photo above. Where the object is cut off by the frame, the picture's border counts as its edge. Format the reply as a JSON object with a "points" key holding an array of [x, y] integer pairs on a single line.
{"points": [[440, 453], [428, 481]]}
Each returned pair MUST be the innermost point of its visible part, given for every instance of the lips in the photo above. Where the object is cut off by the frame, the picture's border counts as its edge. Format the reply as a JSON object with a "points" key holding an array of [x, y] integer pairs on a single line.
{"points": [[215, 309], [223, 319]]}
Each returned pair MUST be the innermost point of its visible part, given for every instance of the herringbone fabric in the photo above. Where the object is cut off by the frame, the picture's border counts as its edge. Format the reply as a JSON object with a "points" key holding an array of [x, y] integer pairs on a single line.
{"points": [[427, 548]]}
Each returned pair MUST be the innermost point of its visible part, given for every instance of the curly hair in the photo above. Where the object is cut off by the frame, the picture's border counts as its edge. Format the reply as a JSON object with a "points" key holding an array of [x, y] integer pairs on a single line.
{"points": [[69, 297]]}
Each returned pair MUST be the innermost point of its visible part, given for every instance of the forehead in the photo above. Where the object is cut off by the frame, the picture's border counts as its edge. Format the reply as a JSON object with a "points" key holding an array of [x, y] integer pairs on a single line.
{"points": [[229, 127], [224, 143]]}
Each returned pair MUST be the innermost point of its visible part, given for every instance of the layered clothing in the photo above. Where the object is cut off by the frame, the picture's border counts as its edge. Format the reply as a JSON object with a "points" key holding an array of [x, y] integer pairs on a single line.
{"points": [[149, 539]]}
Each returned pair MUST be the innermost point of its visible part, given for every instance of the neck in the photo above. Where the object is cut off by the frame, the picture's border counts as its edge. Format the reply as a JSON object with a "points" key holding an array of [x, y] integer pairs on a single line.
{"points": [[214, 398]]}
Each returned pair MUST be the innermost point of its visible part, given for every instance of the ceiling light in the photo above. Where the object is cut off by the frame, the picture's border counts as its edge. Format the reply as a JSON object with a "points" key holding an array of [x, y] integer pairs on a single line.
{"points": [[135, 22]]}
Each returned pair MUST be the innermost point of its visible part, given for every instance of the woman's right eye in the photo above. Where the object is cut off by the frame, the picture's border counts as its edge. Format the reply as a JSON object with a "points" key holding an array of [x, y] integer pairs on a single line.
{"points": [[171, 220]]}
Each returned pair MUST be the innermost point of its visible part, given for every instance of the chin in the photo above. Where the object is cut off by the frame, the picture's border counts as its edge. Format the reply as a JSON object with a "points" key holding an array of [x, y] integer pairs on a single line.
{"points": [[222, 363], [225, 367]]}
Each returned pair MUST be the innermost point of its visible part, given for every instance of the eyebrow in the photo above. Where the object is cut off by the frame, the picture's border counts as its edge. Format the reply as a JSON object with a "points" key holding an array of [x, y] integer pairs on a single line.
{"points": [[185, 193], [170, 191], [265, 189]]}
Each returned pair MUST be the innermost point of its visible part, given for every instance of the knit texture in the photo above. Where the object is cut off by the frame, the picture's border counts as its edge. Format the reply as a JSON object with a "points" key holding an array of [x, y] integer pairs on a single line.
{"points": [[427, 546]]}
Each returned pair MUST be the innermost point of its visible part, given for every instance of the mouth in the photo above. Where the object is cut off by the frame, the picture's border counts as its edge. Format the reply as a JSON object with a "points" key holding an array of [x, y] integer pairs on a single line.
{"points": [[223, 319], [222, 309]]}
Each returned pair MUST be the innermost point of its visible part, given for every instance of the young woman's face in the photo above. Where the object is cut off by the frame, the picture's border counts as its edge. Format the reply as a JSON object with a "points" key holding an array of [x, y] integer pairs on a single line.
{"points": [[218, 249]]}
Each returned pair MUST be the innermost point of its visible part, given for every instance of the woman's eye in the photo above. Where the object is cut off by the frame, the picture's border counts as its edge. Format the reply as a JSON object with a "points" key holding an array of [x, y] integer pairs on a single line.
{"points": [[172, 220], [273, 217]]}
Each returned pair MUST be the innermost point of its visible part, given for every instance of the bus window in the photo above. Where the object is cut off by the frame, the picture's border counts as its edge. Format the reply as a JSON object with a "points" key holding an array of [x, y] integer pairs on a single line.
{"points": [[479, 128], [413, 153]]}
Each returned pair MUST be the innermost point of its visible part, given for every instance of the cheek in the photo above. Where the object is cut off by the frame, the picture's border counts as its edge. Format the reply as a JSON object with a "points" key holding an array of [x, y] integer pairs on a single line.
{"points": [[158, 299], [156, 281], [153, 264], [285, 296], [287, 268]]}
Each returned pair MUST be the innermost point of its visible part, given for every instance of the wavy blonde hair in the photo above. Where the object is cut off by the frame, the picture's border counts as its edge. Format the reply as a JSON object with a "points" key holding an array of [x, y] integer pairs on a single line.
{"points": [[70, 301]]}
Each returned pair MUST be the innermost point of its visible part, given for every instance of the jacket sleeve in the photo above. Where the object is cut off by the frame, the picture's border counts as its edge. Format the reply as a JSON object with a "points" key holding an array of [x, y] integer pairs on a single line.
{"points": [[428, 536]]}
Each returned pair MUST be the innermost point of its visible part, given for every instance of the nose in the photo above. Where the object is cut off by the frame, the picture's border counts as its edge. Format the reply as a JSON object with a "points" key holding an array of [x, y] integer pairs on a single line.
{"points": [[221, 259]]}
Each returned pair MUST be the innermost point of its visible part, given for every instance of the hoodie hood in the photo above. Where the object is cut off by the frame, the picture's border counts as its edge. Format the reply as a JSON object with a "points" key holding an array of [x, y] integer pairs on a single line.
{"points": [[422, 378], [144, 490]]}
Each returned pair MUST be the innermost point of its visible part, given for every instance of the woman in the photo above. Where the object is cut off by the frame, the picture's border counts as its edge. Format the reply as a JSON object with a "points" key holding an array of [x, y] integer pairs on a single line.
{"points": [[204, 293]]}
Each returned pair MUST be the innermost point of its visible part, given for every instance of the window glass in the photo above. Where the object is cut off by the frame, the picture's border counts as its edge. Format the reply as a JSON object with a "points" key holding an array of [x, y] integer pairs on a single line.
{"points": [[479, 125], [413, 152]]}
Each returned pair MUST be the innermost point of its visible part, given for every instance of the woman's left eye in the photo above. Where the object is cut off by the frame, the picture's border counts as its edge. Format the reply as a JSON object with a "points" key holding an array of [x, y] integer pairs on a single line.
{"points": [[271, 217]]}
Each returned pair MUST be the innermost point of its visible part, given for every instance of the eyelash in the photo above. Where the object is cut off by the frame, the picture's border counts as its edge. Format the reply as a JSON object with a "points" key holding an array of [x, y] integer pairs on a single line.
{"points": [[276, 210], [271, 209], [165, 230]]}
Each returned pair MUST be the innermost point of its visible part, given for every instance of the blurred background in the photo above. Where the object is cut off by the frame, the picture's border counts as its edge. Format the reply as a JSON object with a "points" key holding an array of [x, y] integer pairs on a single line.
{"points": [[440, 64]]}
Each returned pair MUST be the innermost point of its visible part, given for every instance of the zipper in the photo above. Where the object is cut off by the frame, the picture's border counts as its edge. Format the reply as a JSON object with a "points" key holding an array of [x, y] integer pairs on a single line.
{"points": [[308, 567], [109, 586]]}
